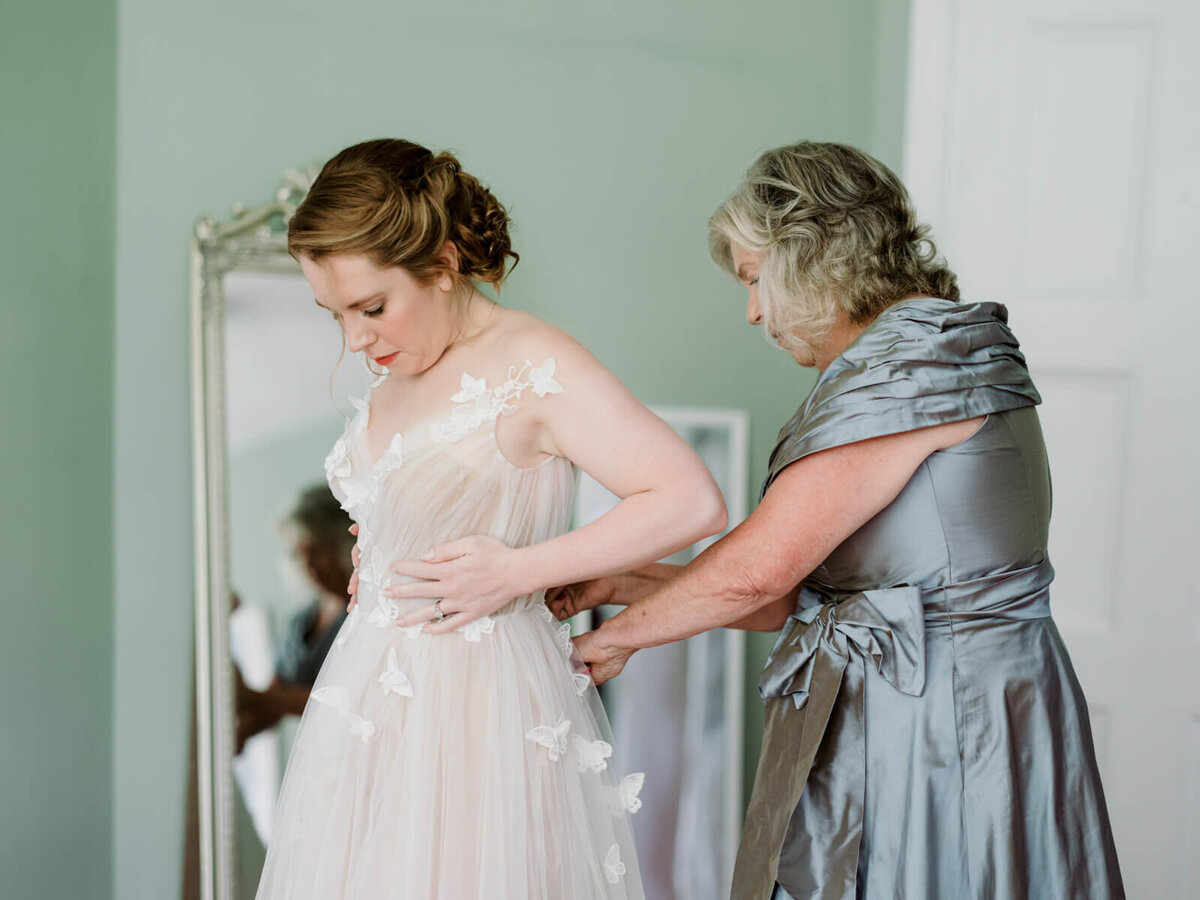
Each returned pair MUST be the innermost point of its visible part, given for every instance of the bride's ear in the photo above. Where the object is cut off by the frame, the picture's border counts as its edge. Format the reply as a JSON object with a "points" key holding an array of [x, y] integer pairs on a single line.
{"points": [[448, 257]]}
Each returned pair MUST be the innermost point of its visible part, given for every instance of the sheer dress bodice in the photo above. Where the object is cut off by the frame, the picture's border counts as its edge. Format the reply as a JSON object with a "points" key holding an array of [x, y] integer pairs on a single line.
{"points": [[445, 478], [472, 764]]}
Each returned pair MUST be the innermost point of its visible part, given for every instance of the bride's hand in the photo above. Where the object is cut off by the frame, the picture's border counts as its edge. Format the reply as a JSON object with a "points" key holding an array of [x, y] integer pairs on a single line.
{"points": [[604, 661], [571, 599], [356, 558], [470, 578]]}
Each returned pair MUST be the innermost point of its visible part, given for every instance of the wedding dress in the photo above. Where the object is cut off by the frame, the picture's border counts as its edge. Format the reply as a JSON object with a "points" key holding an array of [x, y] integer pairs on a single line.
{"points": [[467, 765]]}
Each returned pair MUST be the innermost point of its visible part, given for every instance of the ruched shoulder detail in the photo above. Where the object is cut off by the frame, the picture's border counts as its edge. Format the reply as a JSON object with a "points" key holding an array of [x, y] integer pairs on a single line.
{"points": [[922, 362]]}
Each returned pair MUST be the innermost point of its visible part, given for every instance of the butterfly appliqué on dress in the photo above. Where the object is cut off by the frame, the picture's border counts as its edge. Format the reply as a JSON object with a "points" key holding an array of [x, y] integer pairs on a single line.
{"points": [[472, 631], [336, 698], [591, 755], [564, 639], [582, 682], [613, 867], [386, 612], [628, 790], [393, 680], [552, 737], [477, 404]]}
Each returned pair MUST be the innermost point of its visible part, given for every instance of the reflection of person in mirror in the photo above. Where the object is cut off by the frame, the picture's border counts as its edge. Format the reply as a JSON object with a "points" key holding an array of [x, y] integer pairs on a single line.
{"points": [[454, 746], [317, 564], [925, 732]]}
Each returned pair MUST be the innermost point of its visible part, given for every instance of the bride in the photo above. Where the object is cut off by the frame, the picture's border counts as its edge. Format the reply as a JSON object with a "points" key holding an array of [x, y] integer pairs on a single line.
{"points": [[453, 746]]}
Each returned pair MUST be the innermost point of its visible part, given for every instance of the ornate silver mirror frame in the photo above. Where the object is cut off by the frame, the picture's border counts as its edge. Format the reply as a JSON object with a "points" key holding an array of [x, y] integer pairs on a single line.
{"points": [[252, 240]]}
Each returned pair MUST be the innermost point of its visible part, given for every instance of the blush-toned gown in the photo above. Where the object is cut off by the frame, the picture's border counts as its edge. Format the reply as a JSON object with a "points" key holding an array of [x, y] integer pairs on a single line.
{"points": [[468, 765], [926, 736]]}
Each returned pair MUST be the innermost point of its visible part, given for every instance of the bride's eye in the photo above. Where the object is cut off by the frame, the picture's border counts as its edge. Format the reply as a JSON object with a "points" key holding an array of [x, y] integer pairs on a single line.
{"points": [[371, 313]]}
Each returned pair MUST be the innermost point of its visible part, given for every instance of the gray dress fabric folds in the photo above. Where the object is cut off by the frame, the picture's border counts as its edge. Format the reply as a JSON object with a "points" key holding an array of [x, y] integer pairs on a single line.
{"points": [[926, 736]]}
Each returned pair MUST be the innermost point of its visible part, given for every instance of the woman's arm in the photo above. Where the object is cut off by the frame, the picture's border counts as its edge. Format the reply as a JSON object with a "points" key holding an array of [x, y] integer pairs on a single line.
{"points": [[811, 508], [613, 590], [668, 497], [623, 590]]}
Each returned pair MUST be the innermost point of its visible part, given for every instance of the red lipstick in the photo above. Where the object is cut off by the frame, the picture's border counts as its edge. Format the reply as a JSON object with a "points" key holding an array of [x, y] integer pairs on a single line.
{"points": [[386, 360]]}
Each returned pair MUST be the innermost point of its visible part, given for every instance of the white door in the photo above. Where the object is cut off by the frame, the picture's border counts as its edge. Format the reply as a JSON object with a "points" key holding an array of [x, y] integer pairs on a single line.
{"points": [[1054, 145]]}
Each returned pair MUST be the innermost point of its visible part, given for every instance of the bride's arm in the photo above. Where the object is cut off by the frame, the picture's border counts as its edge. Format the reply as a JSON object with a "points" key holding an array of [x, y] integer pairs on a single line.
{"points": [[668, 497]]}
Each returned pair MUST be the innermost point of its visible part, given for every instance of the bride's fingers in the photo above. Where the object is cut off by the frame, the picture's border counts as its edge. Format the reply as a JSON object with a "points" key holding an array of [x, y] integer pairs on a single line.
{"points": [[416, 590], [423, 615], [414, 569], [445, 552], [353, 529], [356, 556], [450, 623]]}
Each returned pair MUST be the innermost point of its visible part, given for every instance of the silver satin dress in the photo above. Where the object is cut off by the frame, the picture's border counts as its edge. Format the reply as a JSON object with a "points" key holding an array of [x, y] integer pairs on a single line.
{"points": [[926, 736]]}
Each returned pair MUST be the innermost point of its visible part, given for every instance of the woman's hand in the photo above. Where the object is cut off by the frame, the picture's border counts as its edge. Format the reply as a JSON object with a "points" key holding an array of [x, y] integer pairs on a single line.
{"points": [[571, 599], [356, 558], [470, 579], [604, 661]]}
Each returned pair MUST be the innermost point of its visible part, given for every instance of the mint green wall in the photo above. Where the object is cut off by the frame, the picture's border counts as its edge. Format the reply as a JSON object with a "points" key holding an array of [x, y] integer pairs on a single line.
{"points": [[610, 130], [57, 163]]}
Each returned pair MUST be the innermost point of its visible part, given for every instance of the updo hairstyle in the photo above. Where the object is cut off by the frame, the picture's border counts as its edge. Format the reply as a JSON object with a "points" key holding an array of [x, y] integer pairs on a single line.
{"points": [[836, 230], [398, 204]]}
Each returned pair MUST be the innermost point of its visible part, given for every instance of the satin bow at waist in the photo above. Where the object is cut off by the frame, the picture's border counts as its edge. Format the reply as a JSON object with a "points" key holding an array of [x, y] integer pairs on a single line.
{"points": [[821, 653]]}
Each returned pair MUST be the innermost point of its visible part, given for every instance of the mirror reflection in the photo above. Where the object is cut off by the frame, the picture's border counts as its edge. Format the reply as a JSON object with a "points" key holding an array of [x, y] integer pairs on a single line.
{"points": [[289, 553]]}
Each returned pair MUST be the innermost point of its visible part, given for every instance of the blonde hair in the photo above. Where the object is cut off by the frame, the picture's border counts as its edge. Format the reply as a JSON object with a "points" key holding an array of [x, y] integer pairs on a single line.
{"points": [[836, 231], [398, 203]]}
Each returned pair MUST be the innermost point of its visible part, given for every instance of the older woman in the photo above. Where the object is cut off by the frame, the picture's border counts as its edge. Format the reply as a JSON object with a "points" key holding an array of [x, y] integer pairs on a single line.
{"points": [[925, 732]]}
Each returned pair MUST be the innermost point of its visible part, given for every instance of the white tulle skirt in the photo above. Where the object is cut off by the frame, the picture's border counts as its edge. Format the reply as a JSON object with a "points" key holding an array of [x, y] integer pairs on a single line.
{"points": [[469, 765]]}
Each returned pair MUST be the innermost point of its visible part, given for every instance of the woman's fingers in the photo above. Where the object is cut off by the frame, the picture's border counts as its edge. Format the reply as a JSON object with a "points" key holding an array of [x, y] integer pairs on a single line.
{"points": [[356, 556], [424, 614], [452, 550], [416, 590], [450, 623], [413, 569]]}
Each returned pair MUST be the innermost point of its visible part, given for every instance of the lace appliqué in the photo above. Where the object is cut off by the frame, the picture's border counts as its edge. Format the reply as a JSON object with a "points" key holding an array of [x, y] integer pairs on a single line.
{"points": [[626, 798], [473, 631], [552, 737], [581, 680], [614, 869], [477, 403], [372, 573], [336, 698], [591, 755], [393, 680], [357, 494], [386, 612]]}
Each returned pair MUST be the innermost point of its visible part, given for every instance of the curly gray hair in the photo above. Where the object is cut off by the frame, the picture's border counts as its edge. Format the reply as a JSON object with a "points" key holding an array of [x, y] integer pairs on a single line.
{"points": [[836, 230]]}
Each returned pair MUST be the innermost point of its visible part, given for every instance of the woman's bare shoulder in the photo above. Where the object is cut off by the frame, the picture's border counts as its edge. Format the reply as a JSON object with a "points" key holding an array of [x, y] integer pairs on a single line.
{"points": [[522, 336]]}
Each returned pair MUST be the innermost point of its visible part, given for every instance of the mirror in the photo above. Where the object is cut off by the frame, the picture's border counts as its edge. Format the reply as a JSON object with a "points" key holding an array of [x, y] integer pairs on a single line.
{"points": [[270, 396]]}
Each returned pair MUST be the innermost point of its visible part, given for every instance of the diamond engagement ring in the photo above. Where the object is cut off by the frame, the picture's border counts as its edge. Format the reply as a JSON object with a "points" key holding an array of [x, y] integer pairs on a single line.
{"points": [[438, 615]]}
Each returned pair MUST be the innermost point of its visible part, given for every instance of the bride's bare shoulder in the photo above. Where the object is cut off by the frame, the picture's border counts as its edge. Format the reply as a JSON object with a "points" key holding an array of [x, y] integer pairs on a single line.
{"points": [[522, 336]]}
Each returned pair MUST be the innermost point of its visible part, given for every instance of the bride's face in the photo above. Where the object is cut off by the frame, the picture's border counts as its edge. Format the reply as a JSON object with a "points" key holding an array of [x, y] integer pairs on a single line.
{"points": [[386, 313]]}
